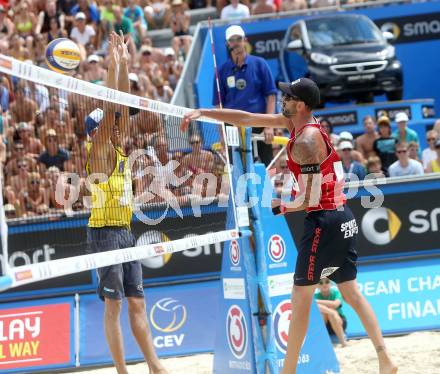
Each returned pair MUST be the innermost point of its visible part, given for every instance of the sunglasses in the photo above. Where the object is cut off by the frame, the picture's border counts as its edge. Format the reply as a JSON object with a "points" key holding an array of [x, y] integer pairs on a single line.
{"points": [[431, 139], [19, 148], [195, 142], [35, 181], [22, 166], [346, 150], [402, 151], [321, 282], [290, 97]]}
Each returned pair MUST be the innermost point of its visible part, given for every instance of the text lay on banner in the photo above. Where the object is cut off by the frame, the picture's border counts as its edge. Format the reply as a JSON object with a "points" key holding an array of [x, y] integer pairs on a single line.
{"points": [[35, 336]]}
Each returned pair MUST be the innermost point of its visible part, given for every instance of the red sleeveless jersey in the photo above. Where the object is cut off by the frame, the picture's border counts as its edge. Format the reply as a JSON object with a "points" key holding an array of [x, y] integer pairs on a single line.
{"points": [[332, 183]]}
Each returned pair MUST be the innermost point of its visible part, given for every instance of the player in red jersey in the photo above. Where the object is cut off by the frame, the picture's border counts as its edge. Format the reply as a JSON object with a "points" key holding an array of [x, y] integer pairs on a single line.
{"points": [[327, 248]]}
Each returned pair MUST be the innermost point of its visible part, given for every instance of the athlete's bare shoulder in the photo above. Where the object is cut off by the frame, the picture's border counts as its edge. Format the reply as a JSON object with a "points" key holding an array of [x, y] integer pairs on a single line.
{"points": [[309, 147]]}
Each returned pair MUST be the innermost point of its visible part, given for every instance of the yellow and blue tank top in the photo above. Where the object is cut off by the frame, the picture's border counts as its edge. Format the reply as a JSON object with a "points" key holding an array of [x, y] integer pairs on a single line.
{"points": [[112, 200]]}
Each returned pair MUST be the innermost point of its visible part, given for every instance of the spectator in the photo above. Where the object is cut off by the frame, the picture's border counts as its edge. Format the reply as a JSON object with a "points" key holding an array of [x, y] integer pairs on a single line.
{"points": [[17, 48], [374, 166], [82, 33], [364, 142], [246, 83], [385, 144], [262, 7], [52, 175], [180, 22], [198, 161], [356, 155], [172, 69], [353, 170], [289, 5], [34, 200], [135, 13], [157, 14], [429, 153], [25, 22], [404, 166], [32, 146], [95, 73], [328, 128], [18, 152], [23, 109], [403, 133], [125, 25], [413, 151], [50, 21], [282, 181], [235, 10], [7, 27], [10, 211], [4, 98], [54, 155], [19, 182], [89, 10], [434, 165], [329, 301], [162, 92]]}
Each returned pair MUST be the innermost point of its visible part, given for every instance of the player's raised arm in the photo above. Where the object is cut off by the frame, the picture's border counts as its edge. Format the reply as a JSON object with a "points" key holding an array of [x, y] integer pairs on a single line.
{"points": [[104, 131], [238, 118], [123, 83]]}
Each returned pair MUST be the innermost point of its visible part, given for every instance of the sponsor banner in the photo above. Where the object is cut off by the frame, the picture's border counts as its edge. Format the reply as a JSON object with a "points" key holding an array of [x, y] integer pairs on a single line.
{"points": [[68, 238], [280, 285], [266, 44], [405, 296], [180, 317], [393, 227], [36, 335], [236, 342], [413, 28], [391, 111], [342, 118]]}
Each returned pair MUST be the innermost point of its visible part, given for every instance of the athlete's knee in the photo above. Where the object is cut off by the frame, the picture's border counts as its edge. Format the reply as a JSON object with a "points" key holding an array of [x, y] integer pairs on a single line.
{"points": [[113, 307], [136, 305], [353, 297]]}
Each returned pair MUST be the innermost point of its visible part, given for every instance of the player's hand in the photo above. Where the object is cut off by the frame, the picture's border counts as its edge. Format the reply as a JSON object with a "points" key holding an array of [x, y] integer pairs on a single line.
{"points": [[113, 50], [122, 48], [187, 118], [268, 135]]}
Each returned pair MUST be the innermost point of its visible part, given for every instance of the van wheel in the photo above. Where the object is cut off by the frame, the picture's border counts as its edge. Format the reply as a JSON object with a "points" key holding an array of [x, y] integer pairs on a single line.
{"points": [[394, 95]]}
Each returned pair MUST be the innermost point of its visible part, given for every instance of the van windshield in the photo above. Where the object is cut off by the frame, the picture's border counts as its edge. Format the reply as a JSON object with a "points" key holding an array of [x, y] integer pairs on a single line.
{"points": [[327, 32]]}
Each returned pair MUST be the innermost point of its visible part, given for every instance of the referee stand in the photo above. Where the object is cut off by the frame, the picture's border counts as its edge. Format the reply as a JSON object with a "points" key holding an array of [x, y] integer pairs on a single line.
{"points": [[265, 266]]}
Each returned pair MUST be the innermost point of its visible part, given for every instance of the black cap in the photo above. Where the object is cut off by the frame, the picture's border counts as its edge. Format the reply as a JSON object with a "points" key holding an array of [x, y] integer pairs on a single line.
{"points": [[304, 89]]}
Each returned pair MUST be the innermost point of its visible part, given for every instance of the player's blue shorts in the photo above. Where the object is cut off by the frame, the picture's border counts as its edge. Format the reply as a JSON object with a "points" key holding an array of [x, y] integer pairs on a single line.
{"points": [[328, 247], [116, 281]]}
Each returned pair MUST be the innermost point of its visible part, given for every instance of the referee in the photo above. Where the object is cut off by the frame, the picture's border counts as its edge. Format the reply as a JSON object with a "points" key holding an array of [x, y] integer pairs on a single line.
{"points": [[111, 213], [246, 83]]}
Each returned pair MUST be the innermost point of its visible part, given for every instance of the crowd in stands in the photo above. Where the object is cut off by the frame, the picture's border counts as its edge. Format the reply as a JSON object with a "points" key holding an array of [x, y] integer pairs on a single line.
{"points": [[42, 130]]}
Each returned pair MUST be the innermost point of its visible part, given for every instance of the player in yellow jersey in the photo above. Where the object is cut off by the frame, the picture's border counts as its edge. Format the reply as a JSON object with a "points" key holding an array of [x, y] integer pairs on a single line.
{"points": [[111, 213]]}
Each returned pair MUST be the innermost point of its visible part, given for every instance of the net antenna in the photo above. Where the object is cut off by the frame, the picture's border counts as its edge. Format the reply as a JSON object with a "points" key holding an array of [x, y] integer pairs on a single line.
{"points": [[171, 115]]}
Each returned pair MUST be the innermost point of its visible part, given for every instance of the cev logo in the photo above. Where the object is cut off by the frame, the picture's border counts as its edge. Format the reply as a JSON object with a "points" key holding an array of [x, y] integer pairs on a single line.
{"points": [[276, 248], [168, 315], [236, 331], [234, 253], [370, 231]]}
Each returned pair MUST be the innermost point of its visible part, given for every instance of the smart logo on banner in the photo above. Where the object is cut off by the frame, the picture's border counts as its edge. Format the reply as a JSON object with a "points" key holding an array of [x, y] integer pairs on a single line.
{"points": [[276, 249], [35, 336], [168, 316], [234, 255], [237, 334]]}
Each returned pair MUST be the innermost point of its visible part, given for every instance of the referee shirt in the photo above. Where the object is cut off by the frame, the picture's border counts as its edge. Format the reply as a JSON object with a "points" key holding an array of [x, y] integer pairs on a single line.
{"points": [[245, 87]]}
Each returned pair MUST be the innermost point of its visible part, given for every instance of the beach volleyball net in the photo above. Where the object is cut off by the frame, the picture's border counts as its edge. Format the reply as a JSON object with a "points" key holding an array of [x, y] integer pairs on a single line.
{"points": [[172, 188]]}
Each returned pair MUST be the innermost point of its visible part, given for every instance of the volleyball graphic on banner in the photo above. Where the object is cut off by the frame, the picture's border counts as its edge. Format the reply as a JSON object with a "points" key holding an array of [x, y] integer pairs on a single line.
{"points": [[62, 55]]}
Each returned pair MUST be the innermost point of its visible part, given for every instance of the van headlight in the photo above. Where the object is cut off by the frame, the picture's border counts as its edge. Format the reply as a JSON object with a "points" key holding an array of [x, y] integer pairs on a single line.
{"points": [[321, 58], [388, 52]]}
